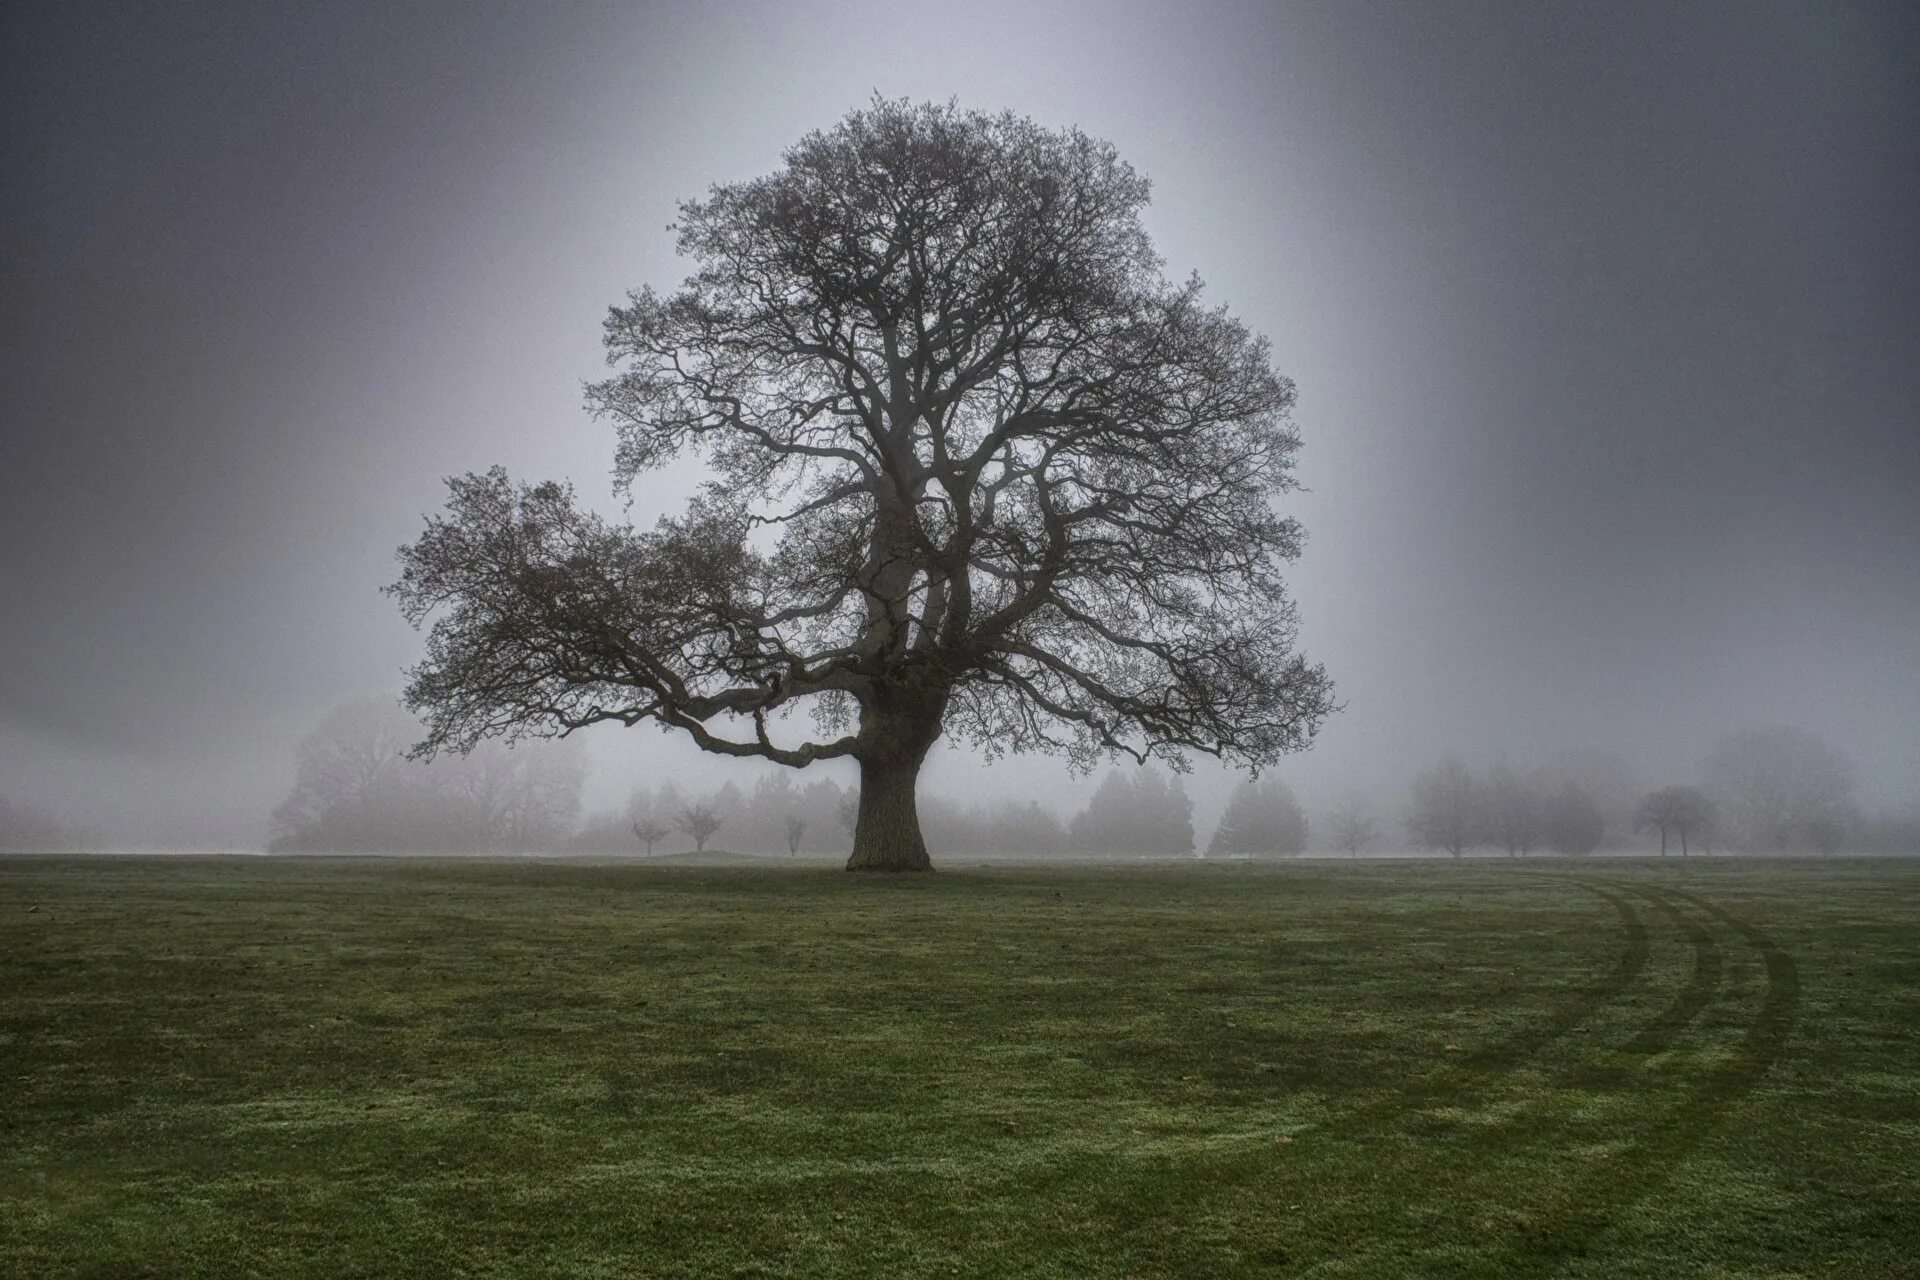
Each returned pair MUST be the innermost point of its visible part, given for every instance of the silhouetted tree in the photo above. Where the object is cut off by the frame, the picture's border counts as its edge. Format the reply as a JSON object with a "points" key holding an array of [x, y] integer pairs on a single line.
{"points": [[1682, 811], [1514, 807], [1572, 821], [1446, 810], [796, 828], [650, 831], [1025, 827], [1020, 485], [1262, 818], [1607, 779], [1351, 826], [1138, 812], [1782, 790], [355, 791], [699, 821]]}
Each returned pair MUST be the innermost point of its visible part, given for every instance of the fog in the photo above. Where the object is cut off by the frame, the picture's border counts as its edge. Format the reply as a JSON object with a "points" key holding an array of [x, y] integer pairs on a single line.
{"points": [[1604, 324]]}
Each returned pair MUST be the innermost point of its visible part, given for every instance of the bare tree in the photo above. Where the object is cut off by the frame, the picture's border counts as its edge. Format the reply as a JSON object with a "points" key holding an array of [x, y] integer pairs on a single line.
{"points": [[1783, 790], [1683, 811], [355, 791], [1446, 808], [1515, 809], [699, 821], [650, 831], [981, 470], [1351, 826], [351, 763], [796, 828], [524, 800], [1571, 822]]}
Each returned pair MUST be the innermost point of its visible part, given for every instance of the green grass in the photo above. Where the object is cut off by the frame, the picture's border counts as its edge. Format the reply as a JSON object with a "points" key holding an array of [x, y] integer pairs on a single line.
{"points": [[341, 1068]]}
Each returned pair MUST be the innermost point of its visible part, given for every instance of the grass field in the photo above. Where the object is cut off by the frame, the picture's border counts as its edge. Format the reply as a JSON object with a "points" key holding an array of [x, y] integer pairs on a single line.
{"points": [[341, 1068]]}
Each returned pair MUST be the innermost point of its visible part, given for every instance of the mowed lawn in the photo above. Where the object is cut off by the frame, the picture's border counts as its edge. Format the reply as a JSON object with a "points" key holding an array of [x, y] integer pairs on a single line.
{"points": [[333, 1068]]}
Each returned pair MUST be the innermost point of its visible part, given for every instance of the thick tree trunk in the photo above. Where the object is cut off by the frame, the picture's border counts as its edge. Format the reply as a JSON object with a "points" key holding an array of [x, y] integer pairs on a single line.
{"points": [[896, 731], [887, 836]]}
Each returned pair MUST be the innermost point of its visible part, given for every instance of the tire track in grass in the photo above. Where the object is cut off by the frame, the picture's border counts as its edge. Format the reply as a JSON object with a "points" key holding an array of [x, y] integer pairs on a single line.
{"points": [[1209, 1176], [1694, 997], [1552, 1241], [1627, 970], [1644, 1167]]}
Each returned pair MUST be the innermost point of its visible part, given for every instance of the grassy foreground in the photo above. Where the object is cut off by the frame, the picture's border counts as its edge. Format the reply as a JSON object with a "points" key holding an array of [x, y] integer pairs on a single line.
{"points": [[341, 1068]]}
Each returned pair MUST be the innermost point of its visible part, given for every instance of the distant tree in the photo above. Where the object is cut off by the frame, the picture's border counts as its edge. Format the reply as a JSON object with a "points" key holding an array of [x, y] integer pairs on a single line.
{"points": [[650, 831], [1607, 779], [1514, 807], [346, 771], [1262, 819], [1027, 827], [523, 799], [699, 821], [1350, 827], [1782, 790], [796, 828], [1446, 811], [23, 828], [1135, 813], [1686, 812], [355, 791], [1572, 822], [1022, 488]]}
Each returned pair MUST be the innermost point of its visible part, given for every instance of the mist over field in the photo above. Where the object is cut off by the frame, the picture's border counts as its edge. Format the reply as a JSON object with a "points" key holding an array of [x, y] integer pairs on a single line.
{"points": [[1373, 545], [1602, 326]]}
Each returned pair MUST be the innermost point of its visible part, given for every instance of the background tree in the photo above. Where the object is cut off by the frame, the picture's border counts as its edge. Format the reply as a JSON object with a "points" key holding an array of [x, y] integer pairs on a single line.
{"points": [[1782, 790], [1351, 826], [980, 470], [1607, 779], [699, 821], [1514, 807], [1685, 812], [522, 800], [1262, 819], [355, 791], [650, 831], [796, 828], [1135, 813], [1446, 811], [1572, 822], [1024, 828]]}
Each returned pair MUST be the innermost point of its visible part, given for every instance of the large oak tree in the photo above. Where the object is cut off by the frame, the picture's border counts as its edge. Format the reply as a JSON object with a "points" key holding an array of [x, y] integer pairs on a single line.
{"points": [[979, 469]]}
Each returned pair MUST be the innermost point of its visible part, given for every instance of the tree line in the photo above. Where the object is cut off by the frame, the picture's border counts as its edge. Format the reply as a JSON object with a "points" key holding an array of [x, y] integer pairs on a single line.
{"points": [[356, 790], [1776, 789]]}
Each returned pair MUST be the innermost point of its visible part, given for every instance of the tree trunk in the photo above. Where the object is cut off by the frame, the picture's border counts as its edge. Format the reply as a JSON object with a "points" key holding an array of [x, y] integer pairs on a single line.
{"points": [[1683, 843], [886, 836], [1663, 841], [896, 732]]}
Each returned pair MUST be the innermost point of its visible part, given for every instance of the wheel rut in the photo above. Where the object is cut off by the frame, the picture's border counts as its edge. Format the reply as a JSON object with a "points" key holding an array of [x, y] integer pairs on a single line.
{"points": [[1647, 1164]]}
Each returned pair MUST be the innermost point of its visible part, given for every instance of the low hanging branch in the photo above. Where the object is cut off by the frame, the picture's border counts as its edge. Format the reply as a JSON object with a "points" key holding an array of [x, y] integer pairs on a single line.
{"points": [[979, 470]]}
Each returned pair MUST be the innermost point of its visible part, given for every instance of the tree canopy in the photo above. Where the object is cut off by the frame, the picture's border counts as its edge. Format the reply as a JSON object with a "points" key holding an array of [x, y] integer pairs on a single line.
{"points": [[1263, 819], [979, 469]]}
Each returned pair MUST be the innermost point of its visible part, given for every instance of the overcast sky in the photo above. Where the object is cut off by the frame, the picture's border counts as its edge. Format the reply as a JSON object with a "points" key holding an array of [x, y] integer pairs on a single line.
{"points": [[1606, 323]]}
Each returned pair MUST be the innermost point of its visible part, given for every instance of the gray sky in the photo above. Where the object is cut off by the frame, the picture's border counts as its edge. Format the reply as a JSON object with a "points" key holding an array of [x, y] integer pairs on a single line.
{"points": [[1606, 321]]}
